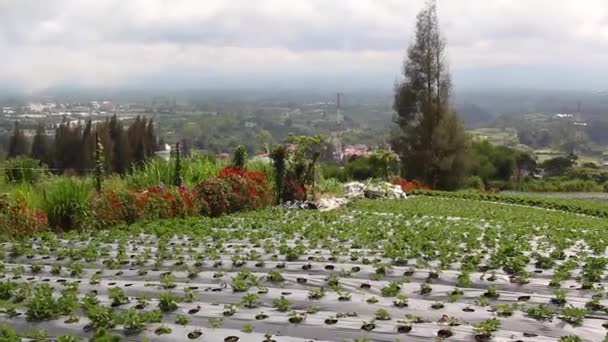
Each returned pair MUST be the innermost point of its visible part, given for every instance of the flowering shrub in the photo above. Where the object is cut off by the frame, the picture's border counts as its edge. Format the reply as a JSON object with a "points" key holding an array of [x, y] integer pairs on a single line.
{"points": [[18, 220], [410, 185], [247, 189], [160, 202], [213, 197], [112, 207], [233, 190]]}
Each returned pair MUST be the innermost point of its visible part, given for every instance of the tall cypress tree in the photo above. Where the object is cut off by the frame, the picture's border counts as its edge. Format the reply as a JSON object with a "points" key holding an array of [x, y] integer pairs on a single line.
{"points": [[422, 103], [121, 160], [18, 144], [151, 144], [41, 148], [88, 147]]}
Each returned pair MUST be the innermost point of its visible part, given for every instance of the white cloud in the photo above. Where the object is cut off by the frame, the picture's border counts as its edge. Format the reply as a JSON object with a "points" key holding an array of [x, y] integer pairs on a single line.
{"points": [[106, 42]]}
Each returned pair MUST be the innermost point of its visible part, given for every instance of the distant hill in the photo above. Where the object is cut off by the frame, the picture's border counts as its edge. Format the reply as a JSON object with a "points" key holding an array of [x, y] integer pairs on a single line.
{"points": [[473, 116]]}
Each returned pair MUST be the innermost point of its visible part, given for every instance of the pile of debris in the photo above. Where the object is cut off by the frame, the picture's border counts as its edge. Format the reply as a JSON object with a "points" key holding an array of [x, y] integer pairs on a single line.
{"points": [[373, 190], [352, 190]]}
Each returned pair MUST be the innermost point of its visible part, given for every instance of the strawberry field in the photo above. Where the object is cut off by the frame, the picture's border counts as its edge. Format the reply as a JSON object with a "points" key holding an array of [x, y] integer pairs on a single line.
{"points": [[423, 269]]}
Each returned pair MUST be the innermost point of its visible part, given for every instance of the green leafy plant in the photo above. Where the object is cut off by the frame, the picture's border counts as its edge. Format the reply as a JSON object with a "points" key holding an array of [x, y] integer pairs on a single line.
{"points": [[573, 315], [168, 301], [42, 305], [282, 304], [250, 300], [182, 320]]}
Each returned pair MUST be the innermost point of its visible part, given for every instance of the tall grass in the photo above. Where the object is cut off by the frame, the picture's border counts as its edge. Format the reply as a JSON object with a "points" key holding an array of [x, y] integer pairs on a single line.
{"points": [[65, 201], [159, 171]]}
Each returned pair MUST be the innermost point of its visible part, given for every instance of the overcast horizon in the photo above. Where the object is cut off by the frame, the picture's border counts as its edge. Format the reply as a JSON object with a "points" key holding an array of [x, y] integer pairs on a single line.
{"points": [[496, 44]]}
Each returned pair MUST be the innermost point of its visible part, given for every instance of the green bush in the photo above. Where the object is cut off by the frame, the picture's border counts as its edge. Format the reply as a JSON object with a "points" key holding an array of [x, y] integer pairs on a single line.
{"points": [[330, 185], [66, 202], [361, 168], [24, 170], [475, 183], [333, 171]]}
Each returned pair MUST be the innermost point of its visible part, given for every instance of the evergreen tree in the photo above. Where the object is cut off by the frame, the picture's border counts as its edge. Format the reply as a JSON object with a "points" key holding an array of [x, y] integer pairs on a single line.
{"points": [[121, 160], [18, 144], [151, 144], [88, 146], [136, 133], [68, 147], [422, 103], [41, 148]]}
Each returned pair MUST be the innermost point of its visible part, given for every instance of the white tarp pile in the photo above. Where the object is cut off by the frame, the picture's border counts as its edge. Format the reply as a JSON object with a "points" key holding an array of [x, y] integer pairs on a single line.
{"points": [[373, 190]]}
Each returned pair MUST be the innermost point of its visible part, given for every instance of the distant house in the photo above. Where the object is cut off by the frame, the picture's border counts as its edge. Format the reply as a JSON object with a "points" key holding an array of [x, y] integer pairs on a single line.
{"points": [[349, 151]]}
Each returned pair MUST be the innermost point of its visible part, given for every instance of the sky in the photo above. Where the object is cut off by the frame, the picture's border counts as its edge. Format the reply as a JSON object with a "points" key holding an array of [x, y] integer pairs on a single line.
{"points": [[557, 44]]}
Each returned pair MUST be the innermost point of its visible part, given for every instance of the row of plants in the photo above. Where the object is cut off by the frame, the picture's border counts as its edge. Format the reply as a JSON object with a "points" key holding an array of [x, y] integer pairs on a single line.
{"points": [[398, 265], [591, 208], [72, 203]]}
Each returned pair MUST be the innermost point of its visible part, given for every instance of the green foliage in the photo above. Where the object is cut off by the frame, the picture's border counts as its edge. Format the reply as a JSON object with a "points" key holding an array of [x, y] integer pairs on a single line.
{"points": [[23, 170], [391, 289], [18, 144], [65, 202], [239, 159], [279, 159], [42, 306], [8, 334], [487, 327], [541, 312], [573, 315], [282, 304], [182, 320], [168, 301], [250, 300]]}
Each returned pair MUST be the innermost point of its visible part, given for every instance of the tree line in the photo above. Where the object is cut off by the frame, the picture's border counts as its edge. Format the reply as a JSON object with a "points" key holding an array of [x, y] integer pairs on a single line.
{"points": [[73, 146]]}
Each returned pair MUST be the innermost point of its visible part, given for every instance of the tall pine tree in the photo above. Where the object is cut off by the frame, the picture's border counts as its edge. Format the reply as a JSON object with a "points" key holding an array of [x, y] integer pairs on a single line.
{"points": [[431, 140]]}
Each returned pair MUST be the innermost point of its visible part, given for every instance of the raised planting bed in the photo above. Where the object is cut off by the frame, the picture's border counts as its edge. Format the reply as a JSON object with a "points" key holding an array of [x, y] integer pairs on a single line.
{"points": [[417, 270]]}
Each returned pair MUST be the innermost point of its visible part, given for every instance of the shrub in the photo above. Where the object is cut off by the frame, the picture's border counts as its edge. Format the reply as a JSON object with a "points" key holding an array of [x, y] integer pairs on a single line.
{"points": [[160, 202], [240, 157], [233, 190], [213, 196], [24, 170], [113, 206], [361, 168], [333, 171], [19, 220], [475, 182]]}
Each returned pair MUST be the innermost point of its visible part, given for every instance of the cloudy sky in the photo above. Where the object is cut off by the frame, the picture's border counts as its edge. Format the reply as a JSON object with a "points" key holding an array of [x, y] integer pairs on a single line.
{"points": [[357, 43]]}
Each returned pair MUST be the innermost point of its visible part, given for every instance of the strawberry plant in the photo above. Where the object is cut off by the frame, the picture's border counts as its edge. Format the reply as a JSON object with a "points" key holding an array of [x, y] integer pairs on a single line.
{"points": [[168, 301], [42, 305], [486, 328], [250, 300], [573, 315], [118, 296]]}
